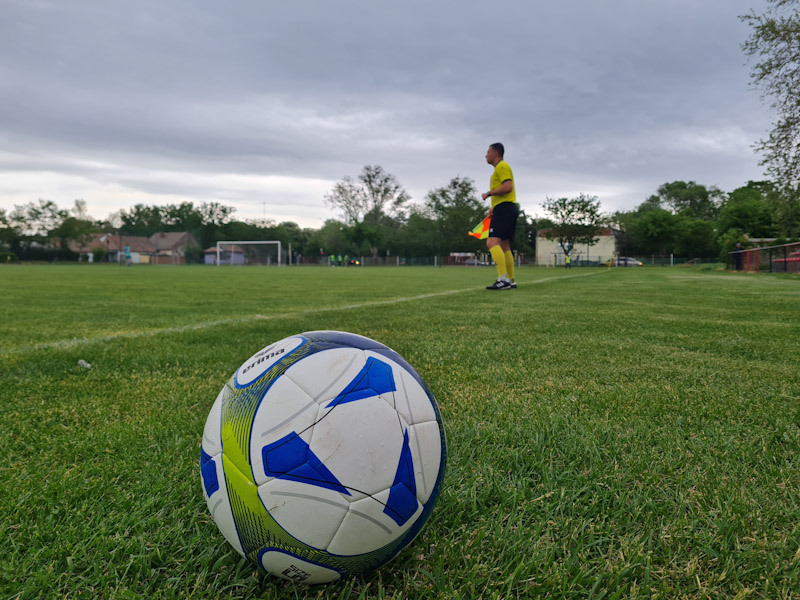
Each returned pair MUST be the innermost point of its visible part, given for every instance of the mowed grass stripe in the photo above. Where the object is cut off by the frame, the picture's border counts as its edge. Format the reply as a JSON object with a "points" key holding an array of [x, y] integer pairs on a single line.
{"points": [[76, 342]]}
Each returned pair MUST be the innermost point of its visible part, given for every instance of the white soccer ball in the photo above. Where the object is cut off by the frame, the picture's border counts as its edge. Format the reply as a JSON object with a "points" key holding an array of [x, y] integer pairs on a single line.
{"points": [[322, 456]]}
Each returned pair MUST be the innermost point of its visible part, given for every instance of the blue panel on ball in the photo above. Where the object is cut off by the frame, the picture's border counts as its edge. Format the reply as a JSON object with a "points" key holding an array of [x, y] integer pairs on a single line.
{"points": [[402, 502], [290, 458], [208, 470], [374, 379]]}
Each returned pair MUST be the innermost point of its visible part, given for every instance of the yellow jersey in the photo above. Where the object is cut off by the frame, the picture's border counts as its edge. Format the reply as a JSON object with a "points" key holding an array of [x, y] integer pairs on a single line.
{"points": [[501, 174]]}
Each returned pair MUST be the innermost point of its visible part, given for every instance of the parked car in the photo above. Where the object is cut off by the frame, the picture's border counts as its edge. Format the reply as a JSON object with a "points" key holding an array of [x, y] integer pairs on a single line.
{"points": [[627, 261]]}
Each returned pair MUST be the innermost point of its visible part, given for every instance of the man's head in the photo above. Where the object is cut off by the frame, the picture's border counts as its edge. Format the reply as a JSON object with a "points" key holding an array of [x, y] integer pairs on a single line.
{"points": [[495, 153]]}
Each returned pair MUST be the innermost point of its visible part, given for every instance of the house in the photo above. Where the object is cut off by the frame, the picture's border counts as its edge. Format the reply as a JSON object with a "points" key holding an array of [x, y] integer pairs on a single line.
{"points": [[550, 252], [114, 245], [170, 247], [228, 255]]}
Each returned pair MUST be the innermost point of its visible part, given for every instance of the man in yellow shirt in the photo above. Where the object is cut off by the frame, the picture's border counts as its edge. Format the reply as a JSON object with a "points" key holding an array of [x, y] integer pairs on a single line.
{"points": [[504, 213]]}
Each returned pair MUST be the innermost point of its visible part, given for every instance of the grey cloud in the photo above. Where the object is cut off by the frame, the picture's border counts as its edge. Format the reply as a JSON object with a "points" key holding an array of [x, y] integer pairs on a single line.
{"points": [[625, 94]]}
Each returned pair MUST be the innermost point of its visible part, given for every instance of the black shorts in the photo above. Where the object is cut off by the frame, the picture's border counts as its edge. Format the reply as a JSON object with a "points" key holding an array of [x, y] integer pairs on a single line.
{"points": [[504, 221]]}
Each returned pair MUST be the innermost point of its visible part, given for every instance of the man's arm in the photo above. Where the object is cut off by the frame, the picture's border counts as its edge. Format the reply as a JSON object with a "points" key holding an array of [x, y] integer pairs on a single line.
{"points": [[505, 188]]}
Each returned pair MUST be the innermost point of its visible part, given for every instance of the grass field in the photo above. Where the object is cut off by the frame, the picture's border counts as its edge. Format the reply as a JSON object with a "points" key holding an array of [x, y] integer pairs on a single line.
{"points": [[623, 433]]}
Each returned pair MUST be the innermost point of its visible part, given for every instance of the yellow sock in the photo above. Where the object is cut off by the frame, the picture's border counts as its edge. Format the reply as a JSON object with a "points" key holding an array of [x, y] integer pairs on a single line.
{"points": [[499, 258], [510, 265]]}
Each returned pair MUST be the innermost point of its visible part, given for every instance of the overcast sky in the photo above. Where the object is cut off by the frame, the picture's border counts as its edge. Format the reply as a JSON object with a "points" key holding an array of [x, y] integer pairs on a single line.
{"points": [[264, 105]]}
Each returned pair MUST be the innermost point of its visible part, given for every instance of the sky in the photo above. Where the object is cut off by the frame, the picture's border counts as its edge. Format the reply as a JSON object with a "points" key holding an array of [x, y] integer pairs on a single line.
{"points": [[263, 106]]}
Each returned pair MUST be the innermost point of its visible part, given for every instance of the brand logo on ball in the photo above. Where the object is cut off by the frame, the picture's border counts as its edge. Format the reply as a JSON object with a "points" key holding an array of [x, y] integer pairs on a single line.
{"points": [[295, 574], [261, 361]]}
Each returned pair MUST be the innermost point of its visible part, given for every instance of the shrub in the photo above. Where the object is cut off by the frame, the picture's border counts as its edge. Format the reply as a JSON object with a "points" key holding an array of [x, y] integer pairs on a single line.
{"points": [[99, 254]]}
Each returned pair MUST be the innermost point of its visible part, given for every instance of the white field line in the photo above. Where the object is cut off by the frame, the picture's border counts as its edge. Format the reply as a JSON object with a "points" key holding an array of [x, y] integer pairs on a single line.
{"points": [[75, 342]]}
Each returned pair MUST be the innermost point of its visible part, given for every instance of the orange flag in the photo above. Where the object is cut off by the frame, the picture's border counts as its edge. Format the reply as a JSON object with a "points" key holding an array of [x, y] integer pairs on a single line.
{"points": [[481, 230]]}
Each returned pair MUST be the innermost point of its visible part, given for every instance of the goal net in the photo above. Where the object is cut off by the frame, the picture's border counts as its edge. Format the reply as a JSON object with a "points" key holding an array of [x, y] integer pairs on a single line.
{"points": [[248, 252]]}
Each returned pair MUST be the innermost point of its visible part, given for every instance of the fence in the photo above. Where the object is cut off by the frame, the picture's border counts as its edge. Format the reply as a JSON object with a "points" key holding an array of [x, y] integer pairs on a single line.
{"points": [[671, 260], [784, 258], [481, 259], [388, 261]]}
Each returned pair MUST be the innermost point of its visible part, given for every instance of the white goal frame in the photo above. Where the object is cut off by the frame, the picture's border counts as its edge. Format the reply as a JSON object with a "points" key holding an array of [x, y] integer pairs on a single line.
{"points": [[246, 243]]}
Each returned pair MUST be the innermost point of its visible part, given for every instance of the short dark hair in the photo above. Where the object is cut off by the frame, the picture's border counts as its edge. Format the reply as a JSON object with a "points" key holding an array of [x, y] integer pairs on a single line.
{"points": [[498, 147]]}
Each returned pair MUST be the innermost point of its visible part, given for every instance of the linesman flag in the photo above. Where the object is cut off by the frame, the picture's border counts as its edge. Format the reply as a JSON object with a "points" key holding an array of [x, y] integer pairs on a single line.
{"points": [[481, 230]]}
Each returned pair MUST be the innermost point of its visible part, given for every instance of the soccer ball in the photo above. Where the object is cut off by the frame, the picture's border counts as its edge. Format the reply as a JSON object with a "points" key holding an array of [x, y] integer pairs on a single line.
{"points": [[322, 456]]}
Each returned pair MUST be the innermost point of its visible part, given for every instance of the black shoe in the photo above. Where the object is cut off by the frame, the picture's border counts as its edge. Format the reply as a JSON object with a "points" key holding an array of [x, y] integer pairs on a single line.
{"points": [[513, 285], [500, 284]]}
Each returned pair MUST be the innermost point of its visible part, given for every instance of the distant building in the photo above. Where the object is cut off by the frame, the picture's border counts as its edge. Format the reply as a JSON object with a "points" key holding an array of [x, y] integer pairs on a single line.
{"points": [[228, 255], [170, 247], [114, 245], [550, 252]]}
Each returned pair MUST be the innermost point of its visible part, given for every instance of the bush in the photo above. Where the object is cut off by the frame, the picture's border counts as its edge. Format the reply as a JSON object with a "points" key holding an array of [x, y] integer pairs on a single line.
{"points": [[728, 242], [99, 254], [7, 257]]}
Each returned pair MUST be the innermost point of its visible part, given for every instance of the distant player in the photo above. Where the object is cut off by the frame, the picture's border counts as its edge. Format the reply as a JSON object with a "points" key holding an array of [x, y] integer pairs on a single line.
{"points": [[504, 212]]}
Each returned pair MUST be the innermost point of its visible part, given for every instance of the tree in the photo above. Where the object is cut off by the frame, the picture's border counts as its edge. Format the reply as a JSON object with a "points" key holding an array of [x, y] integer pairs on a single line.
{"points": [[728, 241], [79, 210], [749, 209], [690, 199], [695, 238], [240, 230], [525, 234], [420, 235], [366, 237], [775, 44], [37, 219], [181, 217], [655, 230], [142, 220], [456, 209], [679, 218], [9, 232], [211, 216], [370, 204], [26, 230], [374, 194], [575, 220], [214, 213], [331, 239], [72, 228]]}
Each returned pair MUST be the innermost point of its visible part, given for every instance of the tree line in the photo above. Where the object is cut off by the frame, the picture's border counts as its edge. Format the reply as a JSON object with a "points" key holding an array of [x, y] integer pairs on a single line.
{"points": [[691, 220], [377, 218]]}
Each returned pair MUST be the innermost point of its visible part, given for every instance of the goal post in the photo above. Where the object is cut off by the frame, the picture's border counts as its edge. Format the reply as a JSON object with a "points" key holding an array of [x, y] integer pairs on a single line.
{"points": [[240, 252]]}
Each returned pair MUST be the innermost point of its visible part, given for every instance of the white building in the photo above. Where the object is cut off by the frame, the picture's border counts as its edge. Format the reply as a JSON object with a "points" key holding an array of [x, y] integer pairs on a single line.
{"points": [[229, 255], [550, 252]]}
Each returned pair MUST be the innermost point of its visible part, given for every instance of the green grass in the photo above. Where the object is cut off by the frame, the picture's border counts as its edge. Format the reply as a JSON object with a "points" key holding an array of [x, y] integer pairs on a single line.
{"points": [[624, 433]]}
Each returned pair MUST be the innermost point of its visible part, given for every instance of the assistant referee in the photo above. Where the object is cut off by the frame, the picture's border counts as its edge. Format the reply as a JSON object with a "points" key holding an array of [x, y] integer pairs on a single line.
{"points": [[504, 213]]}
